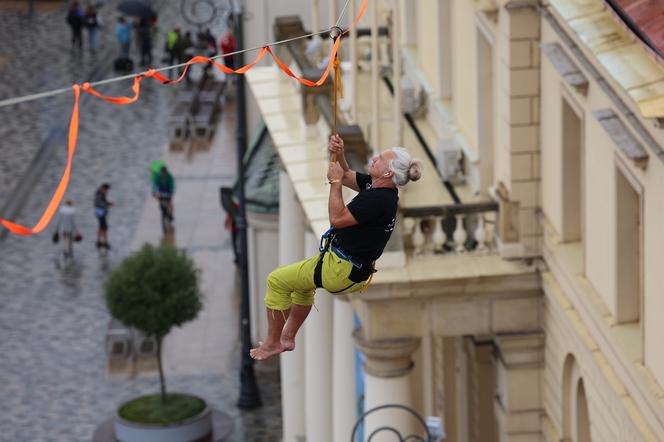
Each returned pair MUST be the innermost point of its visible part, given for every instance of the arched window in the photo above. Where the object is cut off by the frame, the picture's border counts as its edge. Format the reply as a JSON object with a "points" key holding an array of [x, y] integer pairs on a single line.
{"points": [[575, 416], [582, 419]]}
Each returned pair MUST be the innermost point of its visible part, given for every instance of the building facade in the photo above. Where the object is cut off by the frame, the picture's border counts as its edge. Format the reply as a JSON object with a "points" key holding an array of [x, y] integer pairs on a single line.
{"points": [[518, 300]]}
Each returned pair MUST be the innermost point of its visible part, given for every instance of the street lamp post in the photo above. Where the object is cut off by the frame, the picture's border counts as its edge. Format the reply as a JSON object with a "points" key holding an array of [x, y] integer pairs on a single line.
{"points": [[249, 395]]}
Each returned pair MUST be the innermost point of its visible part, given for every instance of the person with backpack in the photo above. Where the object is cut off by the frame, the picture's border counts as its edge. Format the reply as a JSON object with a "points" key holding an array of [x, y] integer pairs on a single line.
{"points": [[91, 23], [75, 22]]}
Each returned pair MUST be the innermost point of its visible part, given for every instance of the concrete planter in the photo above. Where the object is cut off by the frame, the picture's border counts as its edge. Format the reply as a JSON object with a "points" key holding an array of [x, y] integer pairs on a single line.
{"points": [[195, 429]]}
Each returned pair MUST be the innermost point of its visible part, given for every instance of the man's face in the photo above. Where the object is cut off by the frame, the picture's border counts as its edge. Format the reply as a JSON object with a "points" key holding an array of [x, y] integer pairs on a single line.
{"points": [[379, 164]]}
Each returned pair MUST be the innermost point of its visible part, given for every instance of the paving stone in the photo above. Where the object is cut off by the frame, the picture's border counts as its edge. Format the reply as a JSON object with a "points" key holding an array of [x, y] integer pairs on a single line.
{"points": [[52, 314]]}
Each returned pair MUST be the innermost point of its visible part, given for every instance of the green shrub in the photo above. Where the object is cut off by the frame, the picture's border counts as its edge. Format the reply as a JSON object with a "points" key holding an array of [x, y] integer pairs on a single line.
{"points": [[154, 290], [153, 410]]}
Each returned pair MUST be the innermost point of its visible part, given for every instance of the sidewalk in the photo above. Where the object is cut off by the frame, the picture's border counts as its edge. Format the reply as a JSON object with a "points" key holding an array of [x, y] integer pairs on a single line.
{"points": [[210, 345]]}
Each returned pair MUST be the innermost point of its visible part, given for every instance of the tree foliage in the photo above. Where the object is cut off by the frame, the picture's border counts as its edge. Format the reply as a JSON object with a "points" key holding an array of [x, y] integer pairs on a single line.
{"points": [[154, 289]]}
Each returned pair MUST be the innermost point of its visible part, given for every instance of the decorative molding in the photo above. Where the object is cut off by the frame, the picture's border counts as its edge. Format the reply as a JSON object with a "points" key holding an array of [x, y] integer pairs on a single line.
{"points": [[626, 142], [565, 66]]}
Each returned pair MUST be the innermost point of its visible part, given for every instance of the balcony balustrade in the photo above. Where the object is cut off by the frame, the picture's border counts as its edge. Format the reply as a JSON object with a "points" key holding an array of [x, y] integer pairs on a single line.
{"points": [[454, 229]]}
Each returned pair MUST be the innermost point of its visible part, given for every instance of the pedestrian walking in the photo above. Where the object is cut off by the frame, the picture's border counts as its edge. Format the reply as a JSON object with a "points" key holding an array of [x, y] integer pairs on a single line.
{"points": [[184, 48], [144, 34], [75, 22], [163, 189], [66, 228], [172, 41], [91, 23], [101, 212], [207, 43], [123, 35], [228, 46]]}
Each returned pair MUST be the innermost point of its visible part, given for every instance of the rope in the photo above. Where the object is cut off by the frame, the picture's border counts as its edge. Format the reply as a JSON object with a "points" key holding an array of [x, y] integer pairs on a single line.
{"points": [[53, 204], [337, 89], [53, 92]]}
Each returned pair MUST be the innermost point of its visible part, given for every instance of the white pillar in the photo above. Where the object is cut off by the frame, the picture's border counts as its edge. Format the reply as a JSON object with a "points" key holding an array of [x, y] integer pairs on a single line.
{"points": [[353, 64], [396, 73], [333, 13], [518, 396], [375, 85], [291, 249], [344, 413], [318, 363], [387, 369], [315, 16]]}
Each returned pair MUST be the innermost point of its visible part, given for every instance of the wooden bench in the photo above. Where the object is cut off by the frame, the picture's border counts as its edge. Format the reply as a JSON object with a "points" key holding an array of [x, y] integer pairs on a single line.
{"points": [[195, 110]]}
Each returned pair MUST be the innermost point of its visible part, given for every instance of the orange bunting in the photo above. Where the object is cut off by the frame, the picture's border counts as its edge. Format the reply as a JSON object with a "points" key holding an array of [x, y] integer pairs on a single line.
{"points": [[56, 199]]}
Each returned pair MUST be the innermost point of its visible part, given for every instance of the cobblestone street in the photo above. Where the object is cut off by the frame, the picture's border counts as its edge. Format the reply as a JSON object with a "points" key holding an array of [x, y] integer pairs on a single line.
{"points": [[52, 316]]}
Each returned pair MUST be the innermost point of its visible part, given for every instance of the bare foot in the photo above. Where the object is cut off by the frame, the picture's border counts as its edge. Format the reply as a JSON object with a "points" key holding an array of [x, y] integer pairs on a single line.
{"points": [[265, 351], [287, 342]]}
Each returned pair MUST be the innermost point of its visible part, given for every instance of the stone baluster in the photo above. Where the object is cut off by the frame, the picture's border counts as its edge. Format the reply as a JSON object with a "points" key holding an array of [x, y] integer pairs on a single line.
{"points": [[408, 225], [480, 234], [418, 237], [460, 234], [439, 238]]}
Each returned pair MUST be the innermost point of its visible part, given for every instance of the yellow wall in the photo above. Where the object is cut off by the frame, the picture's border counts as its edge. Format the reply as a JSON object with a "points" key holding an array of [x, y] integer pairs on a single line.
{"points": [[654, 266], [550, 145], [427, 38], [600, 206], [464, 67], [600, 210]]}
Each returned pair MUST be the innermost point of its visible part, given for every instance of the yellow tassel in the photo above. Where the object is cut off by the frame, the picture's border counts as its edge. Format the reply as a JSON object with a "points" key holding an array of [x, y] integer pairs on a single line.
{"points": [[368, 283]]}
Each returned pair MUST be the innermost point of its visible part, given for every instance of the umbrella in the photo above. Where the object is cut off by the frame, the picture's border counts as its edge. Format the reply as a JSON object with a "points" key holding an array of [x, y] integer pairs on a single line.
{"points": [[136, 8]]}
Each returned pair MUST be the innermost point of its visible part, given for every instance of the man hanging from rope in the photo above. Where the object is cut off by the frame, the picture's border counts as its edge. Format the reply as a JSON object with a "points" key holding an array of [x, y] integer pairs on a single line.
{"points": [[349, 249]]}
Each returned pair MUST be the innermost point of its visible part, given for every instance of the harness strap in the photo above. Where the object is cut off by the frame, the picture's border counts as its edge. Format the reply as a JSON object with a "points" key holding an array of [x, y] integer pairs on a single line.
{"points": [[318, 271]]}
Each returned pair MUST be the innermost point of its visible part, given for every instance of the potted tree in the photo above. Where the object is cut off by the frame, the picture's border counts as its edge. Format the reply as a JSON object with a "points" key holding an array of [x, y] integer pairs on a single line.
{"points": [[153, 290]]}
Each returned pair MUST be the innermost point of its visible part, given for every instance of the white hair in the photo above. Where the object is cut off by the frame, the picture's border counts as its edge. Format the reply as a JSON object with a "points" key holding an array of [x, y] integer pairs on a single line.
{"points": [[404, 167]]}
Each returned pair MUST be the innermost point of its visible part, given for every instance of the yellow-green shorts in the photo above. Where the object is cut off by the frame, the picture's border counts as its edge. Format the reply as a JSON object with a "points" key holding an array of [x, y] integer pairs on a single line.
{"points": [[294, 283]]}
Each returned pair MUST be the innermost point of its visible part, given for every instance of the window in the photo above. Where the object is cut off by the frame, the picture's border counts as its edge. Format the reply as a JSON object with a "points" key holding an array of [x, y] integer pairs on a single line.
{"points": [[628, 246], [582, 419], [576, 419], [572, 161]]}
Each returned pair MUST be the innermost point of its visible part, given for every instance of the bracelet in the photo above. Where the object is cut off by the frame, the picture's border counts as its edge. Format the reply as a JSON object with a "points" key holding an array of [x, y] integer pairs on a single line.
{"points": [[334, 181]]}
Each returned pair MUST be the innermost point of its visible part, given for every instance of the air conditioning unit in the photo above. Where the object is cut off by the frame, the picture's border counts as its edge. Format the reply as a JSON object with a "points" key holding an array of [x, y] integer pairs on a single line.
{"points": [[449, 158], [413, 98]]}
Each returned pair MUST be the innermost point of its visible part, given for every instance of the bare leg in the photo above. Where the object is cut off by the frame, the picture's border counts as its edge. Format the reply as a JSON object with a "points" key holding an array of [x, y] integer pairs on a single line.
{"points": [[272, 345], [297, 316]]}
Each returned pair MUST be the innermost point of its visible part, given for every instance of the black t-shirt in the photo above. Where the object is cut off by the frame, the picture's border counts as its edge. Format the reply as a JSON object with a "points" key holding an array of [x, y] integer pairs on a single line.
{"points": [[375, 211]]}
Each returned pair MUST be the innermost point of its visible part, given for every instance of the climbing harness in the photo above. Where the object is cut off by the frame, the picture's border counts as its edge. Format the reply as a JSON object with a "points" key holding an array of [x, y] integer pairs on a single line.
{"points": [[328, 241]]}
